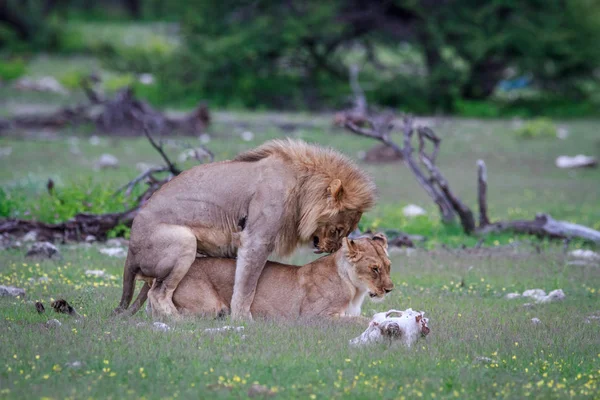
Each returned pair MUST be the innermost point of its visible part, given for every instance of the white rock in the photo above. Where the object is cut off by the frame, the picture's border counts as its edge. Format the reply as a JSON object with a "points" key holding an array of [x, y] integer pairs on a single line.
{"points": [[11, 291], [204, 138], [74, 364], [511, 296], [534, 293], [90, 238], [95, 272], [30, 236], [114, 243], [53, 323], [161, 327], [413, 210], [555, 295], [42, 249], [536, 321], [562, 133], [585, 254], [107, 161], [226, 328], [5, 151], [247, 136], [579, 161], [146, 79], [94, 140], [117, 252]]}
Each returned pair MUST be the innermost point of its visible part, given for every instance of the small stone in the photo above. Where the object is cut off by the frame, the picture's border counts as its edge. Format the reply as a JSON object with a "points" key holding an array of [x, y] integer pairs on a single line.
{"points": [[30, 236], [585, 254], [528, 305], [161, 327], [484, 360], [74, 364], [5, 151], [11, 291], [535, 321], [555, 295], [90, 238], [562, 132], [534, 293], [118, 252], [146, 79], [53, 323], [247, 136], [204, 138], [413, 210], [259, 390], [511, 296], [114, 243], [107, 161], [94, 140], [95, 272], [43, 250]]}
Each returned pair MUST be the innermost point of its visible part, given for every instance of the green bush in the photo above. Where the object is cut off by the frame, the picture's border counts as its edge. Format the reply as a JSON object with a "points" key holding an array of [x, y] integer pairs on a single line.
{"points": [[12, 69], [65, 202], [538, 128]]}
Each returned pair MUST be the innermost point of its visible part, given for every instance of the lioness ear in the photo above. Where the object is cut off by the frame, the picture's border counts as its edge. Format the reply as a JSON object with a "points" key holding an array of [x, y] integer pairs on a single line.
{"points": [[418, 318], [350, 246], [335, 189], [380, 237]]}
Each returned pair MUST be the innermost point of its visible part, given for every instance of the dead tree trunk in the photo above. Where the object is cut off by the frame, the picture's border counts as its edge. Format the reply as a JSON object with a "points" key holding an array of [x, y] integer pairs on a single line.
{"points": [[450, 205]]}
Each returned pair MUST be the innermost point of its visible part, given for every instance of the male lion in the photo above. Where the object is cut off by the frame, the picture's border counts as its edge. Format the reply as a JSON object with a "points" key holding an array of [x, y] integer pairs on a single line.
{"points": [[331, 286], [272, 198]]}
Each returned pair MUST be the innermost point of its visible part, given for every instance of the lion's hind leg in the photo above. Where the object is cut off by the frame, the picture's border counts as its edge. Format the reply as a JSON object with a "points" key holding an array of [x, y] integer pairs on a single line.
{"points": [[173, 250]]}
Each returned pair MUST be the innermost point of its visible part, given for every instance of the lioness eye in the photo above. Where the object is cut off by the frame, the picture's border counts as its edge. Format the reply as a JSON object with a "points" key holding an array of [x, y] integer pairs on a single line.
{"points": [[375, 269]]}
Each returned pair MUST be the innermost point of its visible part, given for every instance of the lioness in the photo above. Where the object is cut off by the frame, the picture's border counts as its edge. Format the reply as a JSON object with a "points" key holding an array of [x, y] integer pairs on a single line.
{"points": [[333, 285], [272, 198]]}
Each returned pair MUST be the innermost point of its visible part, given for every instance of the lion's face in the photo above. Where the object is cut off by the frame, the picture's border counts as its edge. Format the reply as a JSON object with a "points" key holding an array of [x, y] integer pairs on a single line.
{"points": [[328, 236], [370, 264]]}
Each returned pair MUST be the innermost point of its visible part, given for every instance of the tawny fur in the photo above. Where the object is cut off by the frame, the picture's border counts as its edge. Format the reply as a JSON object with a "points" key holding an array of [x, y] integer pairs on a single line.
{"points": [[270, 199], [331, 286]]}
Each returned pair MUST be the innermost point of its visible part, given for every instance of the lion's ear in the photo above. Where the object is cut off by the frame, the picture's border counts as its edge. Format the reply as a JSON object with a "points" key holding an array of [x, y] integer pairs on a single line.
{"points": [[335, 190], [350, 246], [381, 238]]}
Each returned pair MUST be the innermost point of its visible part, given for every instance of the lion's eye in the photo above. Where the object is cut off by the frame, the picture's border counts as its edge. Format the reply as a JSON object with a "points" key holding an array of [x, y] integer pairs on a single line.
{"points": [[375, 269]]}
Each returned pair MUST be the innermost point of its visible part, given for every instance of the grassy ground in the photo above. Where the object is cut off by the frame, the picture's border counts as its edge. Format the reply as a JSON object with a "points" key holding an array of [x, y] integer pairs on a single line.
{"points": [[558, 358], [462, 294]]}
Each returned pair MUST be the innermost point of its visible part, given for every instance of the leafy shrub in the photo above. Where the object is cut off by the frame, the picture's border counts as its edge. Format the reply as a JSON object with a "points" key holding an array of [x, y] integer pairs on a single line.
{"points": [[12, 69], [71, 79], [65, 202], [536, 129]]}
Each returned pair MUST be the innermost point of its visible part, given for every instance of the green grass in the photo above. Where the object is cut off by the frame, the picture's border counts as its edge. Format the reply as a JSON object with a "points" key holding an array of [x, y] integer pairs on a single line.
{"points": [[559, 358]]}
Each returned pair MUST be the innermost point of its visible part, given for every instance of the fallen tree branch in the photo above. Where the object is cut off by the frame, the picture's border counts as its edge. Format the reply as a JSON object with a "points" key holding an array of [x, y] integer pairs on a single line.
{"points": [[123, 115], [544, 226]]}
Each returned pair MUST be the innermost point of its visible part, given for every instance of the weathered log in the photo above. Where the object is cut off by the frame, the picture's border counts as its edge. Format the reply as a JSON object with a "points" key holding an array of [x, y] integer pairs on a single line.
{"points": [[544, 226]]}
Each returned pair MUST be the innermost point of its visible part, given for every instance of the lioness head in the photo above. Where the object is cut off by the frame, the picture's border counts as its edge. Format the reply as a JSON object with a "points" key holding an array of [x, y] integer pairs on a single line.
{"points": [[369, 264]]}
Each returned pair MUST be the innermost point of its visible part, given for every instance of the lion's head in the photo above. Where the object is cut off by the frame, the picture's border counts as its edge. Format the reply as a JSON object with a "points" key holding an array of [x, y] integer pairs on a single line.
{"points": [[369, 264], [330, 196]]}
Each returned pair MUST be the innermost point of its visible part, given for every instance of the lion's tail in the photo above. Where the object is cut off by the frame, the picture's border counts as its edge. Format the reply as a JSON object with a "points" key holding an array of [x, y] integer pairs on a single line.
{"points": [[129, 273]]}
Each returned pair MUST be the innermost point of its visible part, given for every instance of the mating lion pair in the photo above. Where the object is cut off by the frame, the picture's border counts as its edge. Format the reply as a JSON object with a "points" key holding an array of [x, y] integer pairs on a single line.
{"points": [[270, 199]]}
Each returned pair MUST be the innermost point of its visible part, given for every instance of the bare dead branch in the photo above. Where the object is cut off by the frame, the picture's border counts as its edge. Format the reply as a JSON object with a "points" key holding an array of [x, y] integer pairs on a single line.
{"points": [[128, 187], [482, 193], [170, 165]]}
